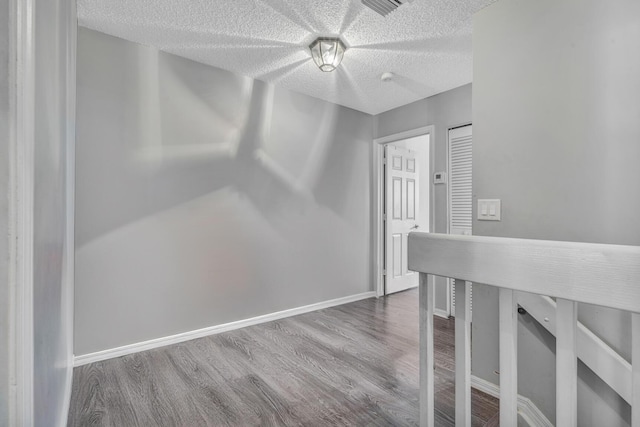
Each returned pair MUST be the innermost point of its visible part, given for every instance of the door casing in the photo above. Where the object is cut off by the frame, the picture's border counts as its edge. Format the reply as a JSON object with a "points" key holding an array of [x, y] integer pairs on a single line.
{"points": [[377, 159]]}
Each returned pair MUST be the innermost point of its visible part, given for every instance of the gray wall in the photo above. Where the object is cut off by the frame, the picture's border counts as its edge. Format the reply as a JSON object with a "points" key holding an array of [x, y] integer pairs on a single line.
{"points": [[204, 197], [4, 192], [443, 111], [54, 123], [556, 130]]}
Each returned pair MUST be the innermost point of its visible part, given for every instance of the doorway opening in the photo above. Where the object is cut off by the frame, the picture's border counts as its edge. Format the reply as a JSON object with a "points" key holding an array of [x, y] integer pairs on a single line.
{"points": [[402, 202]]}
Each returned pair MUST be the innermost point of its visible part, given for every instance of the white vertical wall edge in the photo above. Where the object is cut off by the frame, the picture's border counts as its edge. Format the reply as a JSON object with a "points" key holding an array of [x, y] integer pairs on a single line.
{"points": [[21, 195], [378, 191], [527, 410], [212, 330], [71, 29]]}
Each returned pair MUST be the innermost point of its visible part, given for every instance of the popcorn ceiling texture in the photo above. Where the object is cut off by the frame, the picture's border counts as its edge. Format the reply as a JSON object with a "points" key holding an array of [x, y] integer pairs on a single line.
{"points": [[426, 43]]}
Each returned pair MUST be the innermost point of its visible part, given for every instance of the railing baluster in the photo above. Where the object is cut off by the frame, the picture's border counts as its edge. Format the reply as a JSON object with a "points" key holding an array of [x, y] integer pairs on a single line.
{"points": [[463, 354], [508, 358], [569, 271], [566, 363], [635, 369], [427, 396]]}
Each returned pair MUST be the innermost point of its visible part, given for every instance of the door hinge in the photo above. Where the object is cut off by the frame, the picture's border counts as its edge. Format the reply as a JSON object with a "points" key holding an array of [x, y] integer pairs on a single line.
{"points": [[384, 217], [384, 272], [384, 161]]}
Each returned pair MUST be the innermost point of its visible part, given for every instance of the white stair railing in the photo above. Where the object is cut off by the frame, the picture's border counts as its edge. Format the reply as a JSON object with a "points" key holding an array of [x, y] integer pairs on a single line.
{"points": [[570, 272], [603, 360]]}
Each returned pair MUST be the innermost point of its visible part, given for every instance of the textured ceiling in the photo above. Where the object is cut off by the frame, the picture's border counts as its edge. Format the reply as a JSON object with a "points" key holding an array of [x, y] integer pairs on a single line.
{"points": [[426, 43]]}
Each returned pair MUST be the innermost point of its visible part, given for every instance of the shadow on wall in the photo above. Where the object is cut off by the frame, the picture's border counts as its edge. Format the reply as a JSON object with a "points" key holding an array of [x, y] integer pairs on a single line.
{"points": [[208, 196], [187, 129]]}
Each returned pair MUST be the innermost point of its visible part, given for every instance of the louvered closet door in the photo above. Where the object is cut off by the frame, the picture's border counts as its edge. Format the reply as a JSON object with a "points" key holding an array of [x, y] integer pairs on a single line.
{"points": [[460, 191]]}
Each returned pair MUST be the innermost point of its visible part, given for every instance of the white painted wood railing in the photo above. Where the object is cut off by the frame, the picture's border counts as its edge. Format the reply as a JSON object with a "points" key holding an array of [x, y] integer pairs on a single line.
{"points": [[605, 275]]}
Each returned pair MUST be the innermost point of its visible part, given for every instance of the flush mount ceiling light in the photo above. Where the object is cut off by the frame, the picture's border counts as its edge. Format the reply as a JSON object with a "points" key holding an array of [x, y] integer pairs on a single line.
{"points": [[327, 52]]}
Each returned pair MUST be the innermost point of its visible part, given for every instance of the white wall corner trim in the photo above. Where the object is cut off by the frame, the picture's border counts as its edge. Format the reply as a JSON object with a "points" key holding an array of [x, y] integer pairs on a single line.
{"points": [[67, 396], [527, 410], [70, 179], [213, 330], [21, 201]]}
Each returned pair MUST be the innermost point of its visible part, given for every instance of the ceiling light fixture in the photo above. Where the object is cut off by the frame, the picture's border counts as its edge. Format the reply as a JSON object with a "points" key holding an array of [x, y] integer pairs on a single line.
{"points": [[327, 52]]}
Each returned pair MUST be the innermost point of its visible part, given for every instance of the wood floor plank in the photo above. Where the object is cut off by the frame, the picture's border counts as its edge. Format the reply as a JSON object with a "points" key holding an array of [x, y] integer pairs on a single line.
{"points": [[350, 365]]}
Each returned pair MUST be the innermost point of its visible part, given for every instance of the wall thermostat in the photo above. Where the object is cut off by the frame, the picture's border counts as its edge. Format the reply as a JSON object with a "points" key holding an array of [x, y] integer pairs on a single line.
{"points": [[440, 178]]}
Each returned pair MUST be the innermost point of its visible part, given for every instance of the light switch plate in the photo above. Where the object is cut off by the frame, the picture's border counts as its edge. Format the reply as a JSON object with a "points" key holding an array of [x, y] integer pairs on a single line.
{"points": [[489, 210]]}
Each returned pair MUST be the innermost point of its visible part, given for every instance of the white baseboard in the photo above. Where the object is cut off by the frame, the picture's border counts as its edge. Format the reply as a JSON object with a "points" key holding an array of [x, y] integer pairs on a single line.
{"points": [[531, 414], [527, 410], [485, 386], [441, 313], [212, 330]]}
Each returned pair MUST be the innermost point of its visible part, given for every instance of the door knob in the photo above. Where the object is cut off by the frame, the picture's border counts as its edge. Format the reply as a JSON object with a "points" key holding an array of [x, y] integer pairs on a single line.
{"points": [[415, 227]]}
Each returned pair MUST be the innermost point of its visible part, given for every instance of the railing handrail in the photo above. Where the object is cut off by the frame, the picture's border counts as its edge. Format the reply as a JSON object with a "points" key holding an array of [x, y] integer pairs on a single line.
{"points": [[606, 275], [601, 274]]}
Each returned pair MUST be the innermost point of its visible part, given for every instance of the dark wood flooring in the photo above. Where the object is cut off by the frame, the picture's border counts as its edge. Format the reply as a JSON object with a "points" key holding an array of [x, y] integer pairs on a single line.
{"points": [[351, 365]]}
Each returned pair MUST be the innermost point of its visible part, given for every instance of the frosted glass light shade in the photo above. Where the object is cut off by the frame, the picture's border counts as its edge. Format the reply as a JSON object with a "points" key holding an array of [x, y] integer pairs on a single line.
{"points": [[327, 52]]}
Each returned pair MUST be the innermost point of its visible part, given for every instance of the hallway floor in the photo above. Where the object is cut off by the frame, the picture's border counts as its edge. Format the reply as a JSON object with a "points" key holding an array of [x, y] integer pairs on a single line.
{"points": [[351, 365]]}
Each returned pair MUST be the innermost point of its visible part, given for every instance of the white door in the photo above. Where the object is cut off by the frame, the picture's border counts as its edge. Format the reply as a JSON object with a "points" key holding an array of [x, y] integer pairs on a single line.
{"points": [[401, 213], [460, 189]]}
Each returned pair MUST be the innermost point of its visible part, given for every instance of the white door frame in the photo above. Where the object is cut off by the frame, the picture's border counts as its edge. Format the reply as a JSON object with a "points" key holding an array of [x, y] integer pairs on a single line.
{"points": [[378, 192]]}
